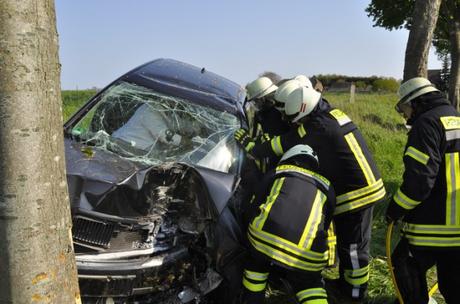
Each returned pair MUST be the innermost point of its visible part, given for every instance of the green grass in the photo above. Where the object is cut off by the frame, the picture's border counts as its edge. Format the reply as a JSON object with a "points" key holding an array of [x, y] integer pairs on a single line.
{"points": [[385, 134], [73, 100]]}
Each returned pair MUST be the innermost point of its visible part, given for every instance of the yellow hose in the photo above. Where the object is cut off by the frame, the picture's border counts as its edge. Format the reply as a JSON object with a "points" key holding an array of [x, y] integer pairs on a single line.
{"points": [[433, 289], [390, 265]]}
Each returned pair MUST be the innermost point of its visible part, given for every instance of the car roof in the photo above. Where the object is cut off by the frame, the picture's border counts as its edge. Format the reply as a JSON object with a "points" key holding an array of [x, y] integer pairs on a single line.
{"points": [[180, 79], [186, 80]]}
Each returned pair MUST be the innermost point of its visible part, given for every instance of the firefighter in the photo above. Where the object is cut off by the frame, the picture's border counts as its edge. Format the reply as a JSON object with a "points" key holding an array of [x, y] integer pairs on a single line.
{"points": [[267, 119], [428, 200], [348, 164], [289, 231]]}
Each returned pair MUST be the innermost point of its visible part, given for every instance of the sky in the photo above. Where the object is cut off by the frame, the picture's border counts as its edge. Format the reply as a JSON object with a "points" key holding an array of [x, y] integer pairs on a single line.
{"points": [[239, 39]]}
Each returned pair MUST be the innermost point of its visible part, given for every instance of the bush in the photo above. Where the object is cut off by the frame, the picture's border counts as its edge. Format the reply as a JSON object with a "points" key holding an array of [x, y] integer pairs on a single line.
{"points": [[385, 85]]}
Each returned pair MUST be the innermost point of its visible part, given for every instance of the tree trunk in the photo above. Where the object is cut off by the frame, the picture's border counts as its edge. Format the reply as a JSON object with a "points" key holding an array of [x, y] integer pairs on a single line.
{"points": [[424, 19], [454, 82], [37, 263]]}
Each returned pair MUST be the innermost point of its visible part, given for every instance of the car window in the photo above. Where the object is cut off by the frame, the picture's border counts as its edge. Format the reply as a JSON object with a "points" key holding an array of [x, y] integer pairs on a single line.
{"points": [[143, 125]]}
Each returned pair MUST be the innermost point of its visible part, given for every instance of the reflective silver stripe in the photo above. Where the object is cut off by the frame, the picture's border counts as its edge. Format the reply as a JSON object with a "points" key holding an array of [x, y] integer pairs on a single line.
{"points": [[417, 155], [433, 241], [404, 201], [355, 265], [256, 276], [453, 201], [276, 146], [452, 134], [431, 229], [453, 186], [301, 295]]}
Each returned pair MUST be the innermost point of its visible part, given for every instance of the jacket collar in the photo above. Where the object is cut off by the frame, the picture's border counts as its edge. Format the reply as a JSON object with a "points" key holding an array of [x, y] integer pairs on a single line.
{"points": [[425, 103]]}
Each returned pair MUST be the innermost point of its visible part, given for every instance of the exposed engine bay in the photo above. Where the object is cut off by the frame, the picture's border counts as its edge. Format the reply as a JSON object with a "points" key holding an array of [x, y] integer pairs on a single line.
{"points": [[162, 248]]}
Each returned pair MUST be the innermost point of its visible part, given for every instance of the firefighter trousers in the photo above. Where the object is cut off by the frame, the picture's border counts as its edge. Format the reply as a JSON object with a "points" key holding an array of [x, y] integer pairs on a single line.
{"points": [[353, 232], [306, 285], [411, 264]]}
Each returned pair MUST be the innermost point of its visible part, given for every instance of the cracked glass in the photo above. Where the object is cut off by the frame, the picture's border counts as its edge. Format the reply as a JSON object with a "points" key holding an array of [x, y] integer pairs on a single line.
{"points": [[142, 125]]}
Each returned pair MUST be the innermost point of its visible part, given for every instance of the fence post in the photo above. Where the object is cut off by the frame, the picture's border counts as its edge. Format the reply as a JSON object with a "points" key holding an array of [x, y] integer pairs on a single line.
{"points": [[352, 92]]}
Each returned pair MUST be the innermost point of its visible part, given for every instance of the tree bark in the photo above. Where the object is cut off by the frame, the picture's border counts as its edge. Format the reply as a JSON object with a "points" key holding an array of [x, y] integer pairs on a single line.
{"points": [[424, 19], [37, 263], [454, 82]]}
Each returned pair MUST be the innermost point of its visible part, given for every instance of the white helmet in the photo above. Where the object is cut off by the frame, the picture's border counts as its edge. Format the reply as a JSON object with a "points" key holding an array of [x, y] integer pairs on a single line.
{"points": [[260, 87], [301, 102], [414, 88], [299, 150], [281, 95], [304, 81]]}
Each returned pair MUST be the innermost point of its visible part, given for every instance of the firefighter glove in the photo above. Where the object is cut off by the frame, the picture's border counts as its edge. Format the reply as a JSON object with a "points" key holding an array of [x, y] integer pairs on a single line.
{"points": [[244, 140], [394, 213]]}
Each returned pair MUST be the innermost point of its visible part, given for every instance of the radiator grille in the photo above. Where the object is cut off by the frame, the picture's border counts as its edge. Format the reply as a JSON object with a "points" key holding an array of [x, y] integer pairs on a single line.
{"points": [[92, 232], [109, 287]]}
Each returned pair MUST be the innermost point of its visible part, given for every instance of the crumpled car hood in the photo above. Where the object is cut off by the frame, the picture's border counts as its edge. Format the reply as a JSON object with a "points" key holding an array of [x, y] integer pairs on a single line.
{"points": [[93, 173]]}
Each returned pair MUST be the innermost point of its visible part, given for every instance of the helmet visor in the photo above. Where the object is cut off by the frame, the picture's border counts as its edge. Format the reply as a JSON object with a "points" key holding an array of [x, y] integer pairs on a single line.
{"points": [[265, 102], [404, 108]]}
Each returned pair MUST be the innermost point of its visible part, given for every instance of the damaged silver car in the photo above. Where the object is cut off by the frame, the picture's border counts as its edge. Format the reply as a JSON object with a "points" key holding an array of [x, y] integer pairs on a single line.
{"points": [[153, 174]]}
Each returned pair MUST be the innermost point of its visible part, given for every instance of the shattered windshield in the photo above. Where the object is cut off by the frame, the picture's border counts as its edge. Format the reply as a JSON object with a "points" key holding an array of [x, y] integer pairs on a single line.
{"points": [[140, 124]]}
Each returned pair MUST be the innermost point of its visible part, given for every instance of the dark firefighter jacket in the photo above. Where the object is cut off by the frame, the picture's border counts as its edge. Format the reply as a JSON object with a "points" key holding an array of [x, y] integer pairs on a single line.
{"points": [[295, 212], [267, 124], [429, 196], [343, 156]]}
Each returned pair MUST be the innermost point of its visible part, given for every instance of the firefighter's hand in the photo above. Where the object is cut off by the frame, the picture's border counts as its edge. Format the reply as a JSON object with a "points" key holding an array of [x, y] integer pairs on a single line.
{"points": [[394, 213], [244, 140], [263, 138]]}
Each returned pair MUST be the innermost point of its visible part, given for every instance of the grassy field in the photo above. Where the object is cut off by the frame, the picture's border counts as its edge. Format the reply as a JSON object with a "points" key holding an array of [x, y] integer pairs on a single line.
{"points": [[385, 133]]}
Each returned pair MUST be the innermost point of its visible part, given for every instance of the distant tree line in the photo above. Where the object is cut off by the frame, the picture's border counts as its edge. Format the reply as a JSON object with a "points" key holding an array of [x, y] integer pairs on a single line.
{"points": [[371, 83]]}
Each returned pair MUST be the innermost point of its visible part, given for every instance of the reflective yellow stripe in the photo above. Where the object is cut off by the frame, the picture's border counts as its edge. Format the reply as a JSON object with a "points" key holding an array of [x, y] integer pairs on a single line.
{"points": [[433, 241], [249, 146], [432, 235], [301, 131], [359, 192], [313, 222], [285, 258], [362, 161], [357, 276], [417, 155], [311, 292], [331, 244], [256, 276], [450, 122], [264, 166], [254, 287], [276, 146], [431, 229], [404, 201], [316, 301], [265, 208], [341, 117], [360, 202], [453, 189], [278, 242], [291, 168]]}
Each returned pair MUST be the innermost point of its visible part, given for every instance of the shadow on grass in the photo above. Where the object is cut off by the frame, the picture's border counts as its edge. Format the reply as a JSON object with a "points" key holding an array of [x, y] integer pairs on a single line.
{"points": [[281, 298]]}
